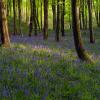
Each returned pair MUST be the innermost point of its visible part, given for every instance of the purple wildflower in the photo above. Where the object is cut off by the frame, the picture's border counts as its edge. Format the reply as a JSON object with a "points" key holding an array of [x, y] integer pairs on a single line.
{"points": [[25, 74], [58, 73], [10, 70], [48, 70], [37, 73], [5, 92], [36, 90], [26, 92], [45, 95], [18, 70]]}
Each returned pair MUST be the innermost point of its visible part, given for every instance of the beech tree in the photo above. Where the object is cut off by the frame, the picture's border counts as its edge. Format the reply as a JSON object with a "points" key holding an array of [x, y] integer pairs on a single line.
{"points": [[54, 14], [3, 25], [14, 16], [89, 2], [62, 17], [45, 32], [19, 11], [76, 32], [58, 22]]}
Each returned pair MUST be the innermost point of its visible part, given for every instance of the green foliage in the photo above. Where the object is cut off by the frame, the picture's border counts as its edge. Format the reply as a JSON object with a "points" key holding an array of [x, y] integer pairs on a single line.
{"points": [[28, 73]]}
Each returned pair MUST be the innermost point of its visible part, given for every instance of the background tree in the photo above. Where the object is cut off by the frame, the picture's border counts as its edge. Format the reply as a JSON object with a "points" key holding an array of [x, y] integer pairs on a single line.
{"points": [[62, 17], [58, 22], [19, 12], [45, 35], [90, 21], [54, 14], [15, 15]]}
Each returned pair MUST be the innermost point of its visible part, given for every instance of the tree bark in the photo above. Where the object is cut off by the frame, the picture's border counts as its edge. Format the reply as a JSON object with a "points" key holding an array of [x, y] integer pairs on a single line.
{"points": [[54, 14], [92, 40], [45, 35], [3, 25], [62, 17], [76, 32], [58, 22], [14, 14]]}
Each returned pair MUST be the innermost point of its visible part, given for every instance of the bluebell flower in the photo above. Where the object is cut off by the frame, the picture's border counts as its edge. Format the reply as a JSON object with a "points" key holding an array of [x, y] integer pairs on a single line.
{"points": [[5, 92], [18, 70], [58, 73], [45, 95], [37, 73], [10, 70], [51, 79], [26, 92], [25, 74], [48, 70], [36, 90]]}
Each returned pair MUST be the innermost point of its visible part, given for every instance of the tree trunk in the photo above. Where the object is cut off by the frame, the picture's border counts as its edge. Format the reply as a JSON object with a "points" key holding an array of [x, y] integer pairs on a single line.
{"points": [[3, 25], [45, 35], [76, 32], [31, 19], [62, 17], [14, 13], [58, 22], [90, 21], [54, 14], [19, 15], [41, 16]]}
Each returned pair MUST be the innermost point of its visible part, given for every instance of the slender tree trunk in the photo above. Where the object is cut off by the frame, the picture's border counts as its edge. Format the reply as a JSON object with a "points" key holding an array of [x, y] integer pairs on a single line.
{"points": [[31, 18], [19, 15], [14, 14], [54, 14], [41, 16], [62, 17], [35, 17], [58, 22], [45, 36], [90, 21], [86, 14]]}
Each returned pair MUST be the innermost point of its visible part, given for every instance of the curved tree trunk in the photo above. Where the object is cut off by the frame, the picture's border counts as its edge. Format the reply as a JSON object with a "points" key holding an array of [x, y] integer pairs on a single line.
{"points": [[3, 25], [76, 32]]}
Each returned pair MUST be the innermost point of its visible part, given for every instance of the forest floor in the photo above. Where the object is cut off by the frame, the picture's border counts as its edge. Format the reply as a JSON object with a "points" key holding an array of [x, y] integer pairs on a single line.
{"points": [[34, 69]]}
